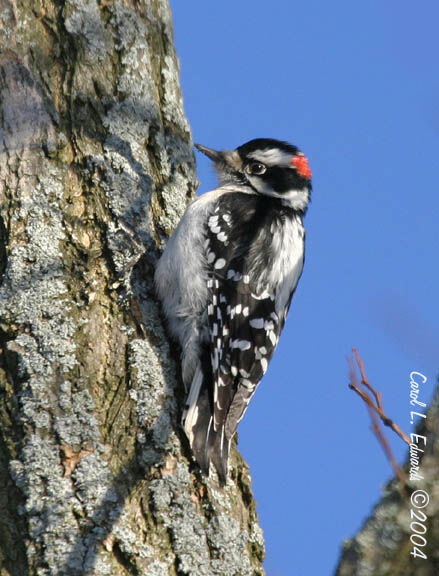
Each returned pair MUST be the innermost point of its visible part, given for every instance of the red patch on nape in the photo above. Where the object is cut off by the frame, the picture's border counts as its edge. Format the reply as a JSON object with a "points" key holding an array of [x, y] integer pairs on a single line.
{"points": [[302, 166]]}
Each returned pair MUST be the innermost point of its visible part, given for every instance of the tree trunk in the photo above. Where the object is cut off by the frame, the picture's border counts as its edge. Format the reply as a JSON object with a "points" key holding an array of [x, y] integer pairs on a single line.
{"points": [[383, 546], [96, 168]]}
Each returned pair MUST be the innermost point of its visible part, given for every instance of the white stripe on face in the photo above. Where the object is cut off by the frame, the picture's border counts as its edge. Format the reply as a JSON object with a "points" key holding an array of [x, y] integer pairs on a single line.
{"points": [[272, 157], [297, 199]]}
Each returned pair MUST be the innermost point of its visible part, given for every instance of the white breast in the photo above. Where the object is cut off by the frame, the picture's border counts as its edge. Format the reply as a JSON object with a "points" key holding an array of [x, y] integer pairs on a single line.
{"points": [[286, 267]]}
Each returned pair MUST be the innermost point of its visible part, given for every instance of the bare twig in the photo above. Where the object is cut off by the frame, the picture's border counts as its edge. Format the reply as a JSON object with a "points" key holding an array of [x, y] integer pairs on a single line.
{"points": [[378, 407], [386, 447], [373, 401], [365, 381]]}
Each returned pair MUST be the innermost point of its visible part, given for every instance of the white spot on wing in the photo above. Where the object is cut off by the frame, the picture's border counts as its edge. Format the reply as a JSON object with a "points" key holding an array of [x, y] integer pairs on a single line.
{"points": [[272, 337], [247, 384], [214, 359], [241, 344], [262, 296], [220, 263], [221, 383]]}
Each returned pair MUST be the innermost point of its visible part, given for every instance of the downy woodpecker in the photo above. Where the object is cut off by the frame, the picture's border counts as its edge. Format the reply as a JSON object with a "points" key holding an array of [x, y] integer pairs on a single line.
{"points": [[226, 279]]}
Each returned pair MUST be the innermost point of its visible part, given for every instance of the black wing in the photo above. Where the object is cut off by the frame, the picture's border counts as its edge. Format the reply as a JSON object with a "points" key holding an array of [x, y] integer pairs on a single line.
{"points": [[243, 324]]}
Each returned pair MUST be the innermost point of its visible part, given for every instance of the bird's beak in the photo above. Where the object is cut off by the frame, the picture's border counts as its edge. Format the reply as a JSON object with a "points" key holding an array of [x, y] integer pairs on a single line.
{"points": [[225, 159], [214, 155]]}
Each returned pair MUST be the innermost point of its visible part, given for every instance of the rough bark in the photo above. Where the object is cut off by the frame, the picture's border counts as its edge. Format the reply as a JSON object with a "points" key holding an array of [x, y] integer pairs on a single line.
{"points": [[96, 161], [382, 547]]}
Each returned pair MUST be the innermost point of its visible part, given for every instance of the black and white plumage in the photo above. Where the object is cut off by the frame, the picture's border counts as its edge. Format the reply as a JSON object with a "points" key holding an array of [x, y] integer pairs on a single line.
{"points": [[226, 279]]}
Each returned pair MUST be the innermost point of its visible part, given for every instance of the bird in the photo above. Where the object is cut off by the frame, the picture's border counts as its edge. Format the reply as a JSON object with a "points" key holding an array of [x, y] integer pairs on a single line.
{"points": [[226, 279]]}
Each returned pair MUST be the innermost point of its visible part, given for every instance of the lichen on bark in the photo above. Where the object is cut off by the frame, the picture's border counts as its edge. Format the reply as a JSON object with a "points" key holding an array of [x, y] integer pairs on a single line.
{"points": [[96, 168]]}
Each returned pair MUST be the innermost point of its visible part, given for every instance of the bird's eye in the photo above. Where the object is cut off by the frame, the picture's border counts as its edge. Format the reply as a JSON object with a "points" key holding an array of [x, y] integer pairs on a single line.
{"points": [[256, 168]]}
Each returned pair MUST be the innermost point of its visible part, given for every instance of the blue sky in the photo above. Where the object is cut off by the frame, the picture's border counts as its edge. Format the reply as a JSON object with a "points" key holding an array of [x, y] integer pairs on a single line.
{"points": [[355, 86]]}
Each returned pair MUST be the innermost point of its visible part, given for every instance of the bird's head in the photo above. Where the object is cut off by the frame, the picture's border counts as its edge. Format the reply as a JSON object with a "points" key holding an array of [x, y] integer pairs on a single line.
{"points": [[265, 166]]}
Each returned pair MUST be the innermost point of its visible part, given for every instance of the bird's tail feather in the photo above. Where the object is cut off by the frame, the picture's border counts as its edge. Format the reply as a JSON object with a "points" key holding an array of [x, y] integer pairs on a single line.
{"points": [[197, 420], [219, 447], [190, 413], [206, 443]]}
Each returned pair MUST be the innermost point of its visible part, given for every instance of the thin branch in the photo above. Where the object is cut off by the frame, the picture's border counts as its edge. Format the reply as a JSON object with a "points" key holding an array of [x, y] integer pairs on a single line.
{"points": [[386, 447], [375, 409], [365, 381], [378, 407]]}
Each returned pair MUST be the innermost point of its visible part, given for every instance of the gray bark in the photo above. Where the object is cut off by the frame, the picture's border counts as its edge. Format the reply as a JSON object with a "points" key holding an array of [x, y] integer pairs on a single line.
{"points": [[382, 547], [95, 475]]}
